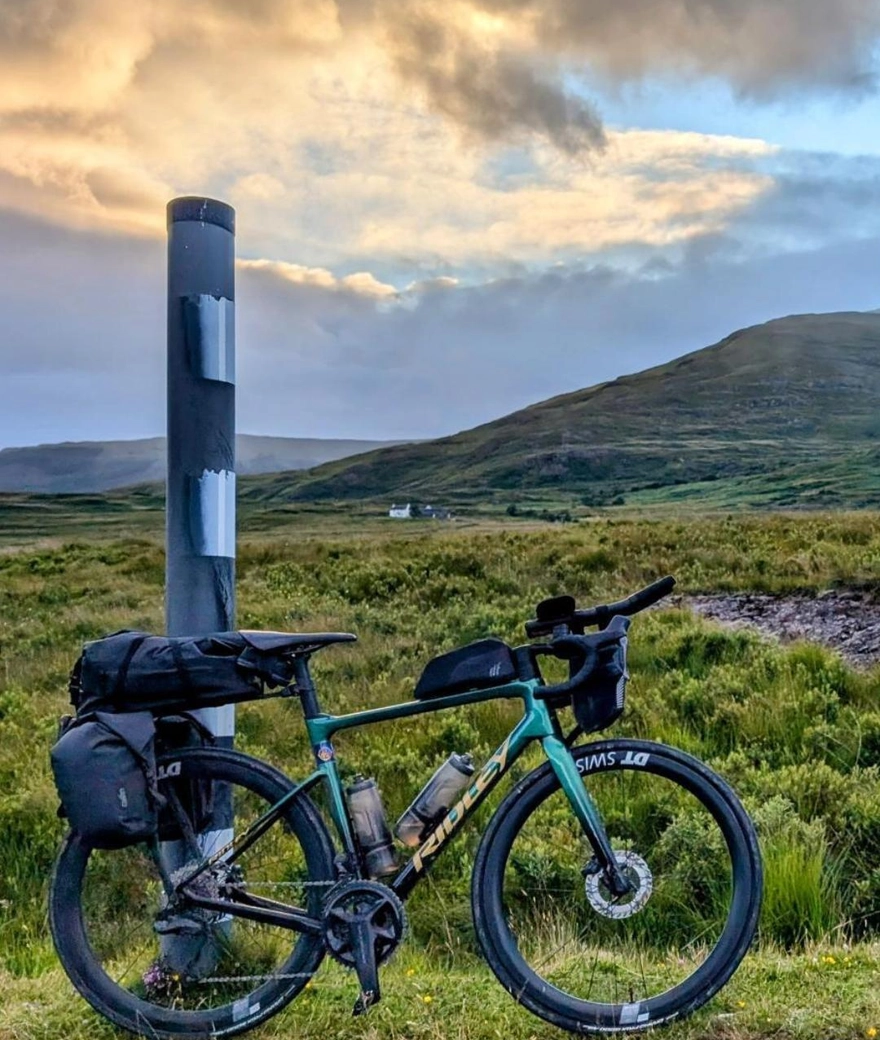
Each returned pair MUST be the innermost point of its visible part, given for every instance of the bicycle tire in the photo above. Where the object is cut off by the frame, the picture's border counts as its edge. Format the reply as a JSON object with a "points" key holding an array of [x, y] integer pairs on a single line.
{"points": [[102, 905], [509, 919]]}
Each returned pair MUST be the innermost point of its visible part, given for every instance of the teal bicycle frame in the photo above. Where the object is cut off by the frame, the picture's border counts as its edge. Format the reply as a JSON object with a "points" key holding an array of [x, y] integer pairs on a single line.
{"points": [[537, 723]]}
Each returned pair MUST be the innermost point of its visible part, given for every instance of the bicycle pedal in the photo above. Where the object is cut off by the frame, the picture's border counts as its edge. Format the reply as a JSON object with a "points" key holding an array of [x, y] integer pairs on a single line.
{"points": [[364, 1002], [178, 925]]}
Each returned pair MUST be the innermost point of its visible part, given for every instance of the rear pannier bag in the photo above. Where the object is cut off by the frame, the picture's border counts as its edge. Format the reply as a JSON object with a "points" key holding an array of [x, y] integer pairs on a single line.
{"points": [[133, 671], [105, 772], [477, 666]]}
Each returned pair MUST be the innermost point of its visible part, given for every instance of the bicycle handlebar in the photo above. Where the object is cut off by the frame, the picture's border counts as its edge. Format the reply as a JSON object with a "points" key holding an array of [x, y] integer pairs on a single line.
{"points": [[573, 646], [578, 644], [552, 613], [631, 605]]}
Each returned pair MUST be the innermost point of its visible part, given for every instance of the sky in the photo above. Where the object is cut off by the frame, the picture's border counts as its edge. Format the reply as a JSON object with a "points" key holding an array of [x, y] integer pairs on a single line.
{"points": [[446, 209]]}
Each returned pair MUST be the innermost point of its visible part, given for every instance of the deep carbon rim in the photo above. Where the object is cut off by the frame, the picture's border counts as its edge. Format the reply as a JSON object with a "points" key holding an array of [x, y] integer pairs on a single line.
{"points": [[126, 1003], [491, 911]]}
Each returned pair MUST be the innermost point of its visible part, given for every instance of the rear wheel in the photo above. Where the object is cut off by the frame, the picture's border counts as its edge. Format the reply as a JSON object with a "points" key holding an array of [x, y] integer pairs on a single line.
{"points": [[170, 971], [558, 939]]}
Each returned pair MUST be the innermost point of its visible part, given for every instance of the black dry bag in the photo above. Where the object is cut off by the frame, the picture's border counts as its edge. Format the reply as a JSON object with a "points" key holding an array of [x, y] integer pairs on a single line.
{"points": [[134, 671], [105, 772], [477, 666]]}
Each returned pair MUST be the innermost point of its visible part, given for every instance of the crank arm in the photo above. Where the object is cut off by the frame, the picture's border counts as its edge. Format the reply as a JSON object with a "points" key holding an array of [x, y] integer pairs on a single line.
{"points": [[363, 948]]}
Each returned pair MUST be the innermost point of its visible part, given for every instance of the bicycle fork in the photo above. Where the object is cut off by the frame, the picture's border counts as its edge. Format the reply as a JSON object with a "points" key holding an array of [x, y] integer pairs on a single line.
{"points": [[559, 756]]}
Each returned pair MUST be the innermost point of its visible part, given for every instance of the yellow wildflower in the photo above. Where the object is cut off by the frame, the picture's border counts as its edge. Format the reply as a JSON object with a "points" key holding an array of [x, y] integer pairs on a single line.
{"points": [[870, 1032], [427, 998], [740, 1003], [410, 972]]}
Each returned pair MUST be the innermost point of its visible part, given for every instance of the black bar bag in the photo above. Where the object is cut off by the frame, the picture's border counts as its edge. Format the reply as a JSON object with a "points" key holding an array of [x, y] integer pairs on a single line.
{"points": [[105, 772]]}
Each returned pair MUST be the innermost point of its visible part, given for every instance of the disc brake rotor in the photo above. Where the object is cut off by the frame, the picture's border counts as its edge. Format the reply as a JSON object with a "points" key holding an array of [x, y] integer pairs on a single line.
{"points": [[602, 900]]}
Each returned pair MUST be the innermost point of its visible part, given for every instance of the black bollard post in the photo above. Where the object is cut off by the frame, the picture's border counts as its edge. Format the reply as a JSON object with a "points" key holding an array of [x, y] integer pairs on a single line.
{"points": [[200, 505]]}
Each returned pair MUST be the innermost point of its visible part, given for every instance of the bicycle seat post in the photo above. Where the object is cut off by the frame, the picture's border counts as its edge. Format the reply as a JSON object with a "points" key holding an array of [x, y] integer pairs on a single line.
{"points": [[305, 687]]}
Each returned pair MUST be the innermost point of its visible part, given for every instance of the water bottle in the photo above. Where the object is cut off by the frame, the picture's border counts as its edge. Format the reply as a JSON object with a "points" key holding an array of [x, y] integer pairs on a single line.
{"points": [[436, 797], [368, 819]]}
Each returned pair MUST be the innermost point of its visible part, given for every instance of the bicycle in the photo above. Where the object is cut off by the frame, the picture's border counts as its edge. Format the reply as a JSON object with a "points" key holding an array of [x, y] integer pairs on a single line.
{"points": [[616, 887]]}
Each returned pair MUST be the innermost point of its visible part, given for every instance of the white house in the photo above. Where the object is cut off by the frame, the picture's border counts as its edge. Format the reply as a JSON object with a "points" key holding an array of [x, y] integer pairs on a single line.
{"points": [[401, 512]]}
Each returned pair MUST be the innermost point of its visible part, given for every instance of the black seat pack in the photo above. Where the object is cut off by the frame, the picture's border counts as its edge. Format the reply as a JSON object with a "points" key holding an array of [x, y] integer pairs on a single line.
{"points": [[134, 671], [104, 766], [477, 666]]}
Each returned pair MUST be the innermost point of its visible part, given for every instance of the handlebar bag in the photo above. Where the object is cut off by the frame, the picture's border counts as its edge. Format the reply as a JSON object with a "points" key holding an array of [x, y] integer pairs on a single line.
{"points": [[600, 700], [477, 666], [105, 772], [134, 671]]}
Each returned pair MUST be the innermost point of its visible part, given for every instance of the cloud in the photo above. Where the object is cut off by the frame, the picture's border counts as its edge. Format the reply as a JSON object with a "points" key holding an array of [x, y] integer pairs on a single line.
{"points": [[434, 226], [109, 107], [486, 85], [761, 48], [361, 282], [83, 349]]}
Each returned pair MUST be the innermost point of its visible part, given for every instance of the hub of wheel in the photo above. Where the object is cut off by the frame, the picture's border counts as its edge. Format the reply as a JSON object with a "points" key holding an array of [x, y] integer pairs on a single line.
{"points": [[177, 916], [604, 902], [364, 922]]}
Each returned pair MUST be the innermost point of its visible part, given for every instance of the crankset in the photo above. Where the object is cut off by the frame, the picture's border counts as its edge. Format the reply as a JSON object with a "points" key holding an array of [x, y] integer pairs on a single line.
{"points": [[364, 922]]}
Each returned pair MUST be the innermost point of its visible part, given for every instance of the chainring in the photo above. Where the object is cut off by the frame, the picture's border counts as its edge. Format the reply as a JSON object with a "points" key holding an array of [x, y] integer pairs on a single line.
{"points": [[381, 905]]}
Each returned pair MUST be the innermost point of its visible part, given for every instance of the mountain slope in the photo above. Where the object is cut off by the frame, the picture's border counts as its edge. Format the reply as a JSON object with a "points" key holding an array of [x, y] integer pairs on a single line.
{"points": [[91, 466], [802, 389]]}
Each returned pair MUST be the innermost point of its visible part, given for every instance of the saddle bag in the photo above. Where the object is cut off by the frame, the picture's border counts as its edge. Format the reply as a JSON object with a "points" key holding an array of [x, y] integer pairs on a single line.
{"points": [[105, 773], [134, 671]]}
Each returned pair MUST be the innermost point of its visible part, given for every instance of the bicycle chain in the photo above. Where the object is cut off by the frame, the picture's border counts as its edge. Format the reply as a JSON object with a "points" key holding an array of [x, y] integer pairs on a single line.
{"points": [[253, 978], [291, 884]]}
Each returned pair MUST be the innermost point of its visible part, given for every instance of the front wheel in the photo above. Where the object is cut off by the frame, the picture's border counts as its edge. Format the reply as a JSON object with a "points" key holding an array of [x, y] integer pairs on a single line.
{"points": [[569, 950]]}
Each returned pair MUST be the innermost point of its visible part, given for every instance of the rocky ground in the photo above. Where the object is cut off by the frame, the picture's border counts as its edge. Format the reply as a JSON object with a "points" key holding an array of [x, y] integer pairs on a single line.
{"points": [[846, 621]]}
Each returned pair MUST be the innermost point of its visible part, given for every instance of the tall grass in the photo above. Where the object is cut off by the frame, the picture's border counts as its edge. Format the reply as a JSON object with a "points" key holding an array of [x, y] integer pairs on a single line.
{"points": [[794, 729]]}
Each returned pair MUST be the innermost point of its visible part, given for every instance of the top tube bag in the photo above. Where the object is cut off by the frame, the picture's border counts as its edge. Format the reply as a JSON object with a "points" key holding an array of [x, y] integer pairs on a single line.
{"points": [[477, 666]]}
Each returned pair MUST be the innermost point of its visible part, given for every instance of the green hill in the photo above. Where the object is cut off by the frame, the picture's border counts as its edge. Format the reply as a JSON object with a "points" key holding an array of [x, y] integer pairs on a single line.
{"points": [[768, 403], [79, 467]]}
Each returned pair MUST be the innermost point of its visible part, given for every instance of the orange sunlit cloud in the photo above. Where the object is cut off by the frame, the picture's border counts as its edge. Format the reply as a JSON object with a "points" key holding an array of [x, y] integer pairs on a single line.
{"points": [[329, 155]]}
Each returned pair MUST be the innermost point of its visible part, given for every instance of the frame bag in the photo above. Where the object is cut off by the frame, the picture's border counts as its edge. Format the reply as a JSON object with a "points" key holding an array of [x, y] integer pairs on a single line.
{"points": [[105, 772]]}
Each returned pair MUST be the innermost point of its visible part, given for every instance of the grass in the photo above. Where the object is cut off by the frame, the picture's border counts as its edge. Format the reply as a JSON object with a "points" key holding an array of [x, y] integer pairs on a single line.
{"points": [[824, 991], [794, 729]]}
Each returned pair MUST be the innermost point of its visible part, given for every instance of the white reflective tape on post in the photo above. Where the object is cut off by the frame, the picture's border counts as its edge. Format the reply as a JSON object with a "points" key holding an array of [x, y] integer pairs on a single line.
{"points": [[220, 721], [213, 514], [211, 842], [211, 331]]}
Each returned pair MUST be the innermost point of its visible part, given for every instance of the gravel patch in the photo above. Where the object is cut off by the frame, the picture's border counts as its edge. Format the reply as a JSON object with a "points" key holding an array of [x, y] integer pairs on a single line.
{"points": [[846, 621]]}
